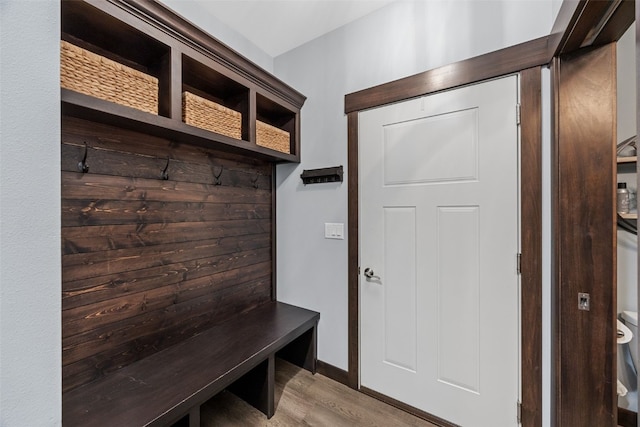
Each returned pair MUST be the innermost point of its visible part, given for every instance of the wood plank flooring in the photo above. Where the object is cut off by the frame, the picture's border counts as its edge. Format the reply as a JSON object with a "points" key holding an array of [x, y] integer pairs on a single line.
{"points": [[303, 399]]}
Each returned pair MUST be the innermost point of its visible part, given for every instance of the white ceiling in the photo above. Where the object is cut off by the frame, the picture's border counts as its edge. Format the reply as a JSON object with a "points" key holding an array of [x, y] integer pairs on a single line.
{"points": [[277, 26]]}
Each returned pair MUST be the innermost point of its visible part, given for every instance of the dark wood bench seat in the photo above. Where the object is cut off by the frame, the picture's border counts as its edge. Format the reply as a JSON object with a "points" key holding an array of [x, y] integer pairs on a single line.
{"points": [[238, 354]]}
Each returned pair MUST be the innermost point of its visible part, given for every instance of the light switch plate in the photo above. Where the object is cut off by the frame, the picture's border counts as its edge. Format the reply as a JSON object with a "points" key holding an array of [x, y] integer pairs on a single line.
{"points": [[333, 230]]}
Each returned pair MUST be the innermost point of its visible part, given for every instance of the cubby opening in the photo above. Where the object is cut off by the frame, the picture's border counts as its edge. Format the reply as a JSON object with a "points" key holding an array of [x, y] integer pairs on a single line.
{"points": [[214, 86], [102, 34], [274, 114]]}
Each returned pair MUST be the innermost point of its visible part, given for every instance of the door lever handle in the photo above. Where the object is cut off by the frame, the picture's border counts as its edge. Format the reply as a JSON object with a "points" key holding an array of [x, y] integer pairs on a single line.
{"points": [[368, 273]]}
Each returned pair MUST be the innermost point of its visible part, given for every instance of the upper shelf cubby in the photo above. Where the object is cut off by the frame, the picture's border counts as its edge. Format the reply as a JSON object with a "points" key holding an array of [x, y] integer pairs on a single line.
{"points": [[203, 90], [278, 122], [92, 29], [204, 93]]}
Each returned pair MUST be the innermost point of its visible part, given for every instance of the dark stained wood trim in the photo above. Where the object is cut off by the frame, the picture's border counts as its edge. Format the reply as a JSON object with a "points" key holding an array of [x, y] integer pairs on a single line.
{"points": [[577, 19], [618, 24], [407, 408], [353, 218], [330, 371], [531, 229], [501, 62], [566, 19], [274, 234], [585, 233], [586, 16]]}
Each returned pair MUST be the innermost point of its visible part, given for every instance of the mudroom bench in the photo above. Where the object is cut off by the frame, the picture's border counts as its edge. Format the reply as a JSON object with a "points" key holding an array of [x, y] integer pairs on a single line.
{"points": [[170, 385]]}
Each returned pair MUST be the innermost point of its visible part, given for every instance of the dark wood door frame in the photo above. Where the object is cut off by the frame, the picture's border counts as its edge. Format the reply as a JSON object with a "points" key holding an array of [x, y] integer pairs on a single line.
{"points": [[584, 238], [572, 29]]}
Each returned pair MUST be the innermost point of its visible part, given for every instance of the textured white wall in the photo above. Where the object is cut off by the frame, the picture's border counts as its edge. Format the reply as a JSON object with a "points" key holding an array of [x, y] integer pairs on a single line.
{"points": [[398, 40], [30, 353], [195, 12]]}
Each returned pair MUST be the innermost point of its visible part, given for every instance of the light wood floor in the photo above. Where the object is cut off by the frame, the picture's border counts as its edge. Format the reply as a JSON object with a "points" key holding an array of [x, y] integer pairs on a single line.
{"points": [[303, 399]]}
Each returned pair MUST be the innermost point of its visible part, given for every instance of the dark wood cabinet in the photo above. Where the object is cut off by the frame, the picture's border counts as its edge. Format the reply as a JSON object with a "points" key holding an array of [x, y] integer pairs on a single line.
{"points": [[149, 38], [170, 229]]}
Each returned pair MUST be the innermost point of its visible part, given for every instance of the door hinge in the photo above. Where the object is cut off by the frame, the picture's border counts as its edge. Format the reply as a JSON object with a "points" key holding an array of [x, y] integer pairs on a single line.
{"points": [[519, 412], [519, 263], [517, 114], [358, 270]]}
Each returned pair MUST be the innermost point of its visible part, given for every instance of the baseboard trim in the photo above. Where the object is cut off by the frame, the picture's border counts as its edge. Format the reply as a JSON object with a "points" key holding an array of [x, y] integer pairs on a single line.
{"points": [[410, 409], [330, 371], [627, 418]]}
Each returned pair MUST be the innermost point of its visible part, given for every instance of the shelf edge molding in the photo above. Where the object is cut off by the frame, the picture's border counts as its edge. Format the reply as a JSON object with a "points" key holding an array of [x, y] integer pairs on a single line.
{"points": [[160, 16]]}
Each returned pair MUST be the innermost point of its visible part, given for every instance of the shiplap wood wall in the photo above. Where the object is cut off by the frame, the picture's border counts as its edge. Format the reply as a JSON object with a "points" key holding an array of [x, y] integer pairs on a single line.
{"points": [[149, 262]]}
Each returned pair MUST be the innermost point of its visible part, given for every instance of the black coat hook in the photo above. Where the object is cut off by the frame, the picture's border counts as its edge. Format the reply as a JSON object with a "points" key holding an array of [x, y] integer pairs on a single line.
{"points": [[164, 175], [217, 176], [254, 181], [82, 165]]}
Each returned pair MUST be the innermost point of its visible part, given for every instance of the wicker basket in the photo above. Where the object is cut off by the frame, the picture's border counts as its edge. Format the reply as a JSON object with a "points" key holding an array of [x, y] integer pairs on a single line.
{"points": [[205, 114], [85, 72], [271, 137]]}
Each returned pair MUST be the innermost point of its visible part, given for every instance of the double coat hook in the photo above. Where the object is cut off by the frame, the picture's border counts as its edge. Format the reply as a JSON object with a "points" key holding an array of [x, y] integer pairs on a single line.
{"points": [[165, 175], [218, 175], [82, 164]]}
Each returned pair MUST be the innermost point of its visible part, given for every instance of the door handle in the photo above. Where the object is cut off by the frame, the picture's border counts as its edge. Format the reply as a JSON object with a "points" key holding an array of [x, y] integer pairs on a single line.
{"points": [[368, 273]]}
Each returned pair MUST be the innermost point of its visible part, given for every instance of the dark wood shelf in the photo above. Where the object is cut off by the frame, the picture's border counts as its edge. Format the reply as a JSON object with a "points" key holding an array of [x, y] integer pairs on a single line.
{"points": [[87, 107], [146, 36]]}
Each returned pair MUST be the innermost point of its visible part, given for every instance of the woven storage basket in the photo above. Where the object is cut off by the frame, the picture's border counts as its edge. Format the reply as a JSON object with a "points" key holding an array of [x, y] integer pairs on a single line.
{"points": [[205, 114], [271, 137], [85, 72]]}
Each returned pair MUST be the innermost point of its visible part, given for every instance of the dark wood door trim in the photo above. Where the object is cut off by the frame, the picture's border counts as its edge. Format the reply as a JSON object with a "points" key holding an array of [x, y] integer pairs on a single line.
{"points": [[501, 62], [585, 238], [590, 23], [353, 218], [531, 241], [531, 238]]}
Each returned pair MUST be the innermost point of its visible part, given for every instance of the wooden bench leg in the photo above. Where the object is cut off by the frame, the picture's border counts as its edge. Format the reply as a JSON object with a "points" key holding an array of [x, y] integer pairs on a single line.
{"points": [[194, 416], [302, 351], [257, 387]]}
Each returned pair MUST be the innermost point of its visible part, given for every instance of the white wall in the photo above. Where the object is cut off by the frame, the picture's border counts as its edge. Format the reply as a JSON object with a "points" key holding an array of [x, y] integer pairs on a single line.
{"points": [[30, 353], [196, 13], [398, 40]]}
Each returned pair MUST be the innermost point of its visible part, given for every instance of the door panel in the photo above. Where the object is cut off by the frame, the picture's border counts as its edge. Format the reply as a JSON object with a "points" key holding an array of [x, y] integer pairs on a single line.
{"points": [[439, 228], [458, 292], [400, 300]]}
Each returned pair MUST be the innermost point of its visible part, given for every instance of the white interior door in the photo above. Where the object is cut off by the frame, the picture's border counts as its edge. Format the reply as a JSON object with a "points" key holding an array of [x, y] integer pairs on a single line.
{"points": [[439, 233]]}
